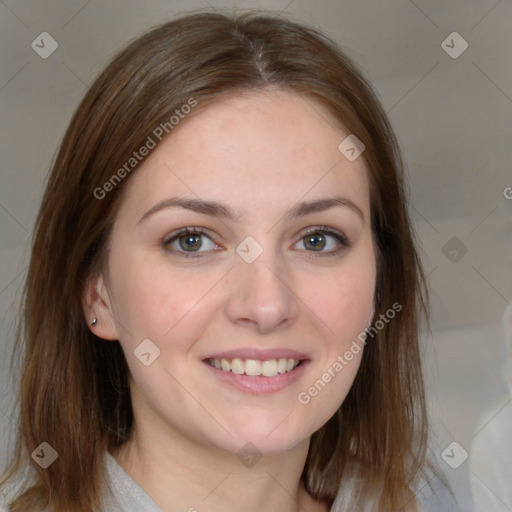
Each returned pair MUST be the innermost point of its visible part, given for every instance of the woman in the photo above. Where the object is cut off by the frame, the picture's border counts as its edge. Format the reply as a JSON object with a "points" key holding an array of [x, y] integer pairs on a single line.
{"points": [[222, 305]]}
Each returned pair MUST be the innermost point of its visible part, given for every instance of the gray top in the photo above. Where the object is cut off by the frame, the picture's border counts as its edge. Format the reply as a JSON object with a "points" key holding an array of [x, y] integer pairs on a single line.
{"points": [[434, 496], [127, 496]]}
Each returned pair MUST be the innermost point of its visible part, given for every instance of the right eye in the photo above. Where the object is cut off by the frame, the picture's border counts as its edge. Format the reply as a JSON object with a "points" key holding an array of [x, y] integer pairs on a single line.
{"points": [[189, 242]]}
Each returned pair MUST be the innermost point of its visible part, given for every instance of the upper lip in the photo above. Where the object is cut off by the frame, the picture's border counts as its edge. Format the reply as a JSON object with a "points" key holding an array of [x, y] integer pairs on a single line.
{"points": [[259, 354]]}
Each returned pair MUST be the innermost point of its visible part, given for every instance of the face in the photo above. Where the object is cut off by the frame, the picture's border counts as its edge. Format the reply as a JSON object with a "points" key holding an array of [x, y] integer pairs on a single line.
{"points": [[243, 255]]}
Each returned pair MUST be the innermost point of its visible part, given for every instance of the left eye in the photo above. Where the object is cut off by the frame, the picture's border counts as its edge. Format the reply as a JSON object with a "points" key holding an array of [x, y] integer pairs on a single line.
{"points": [[322, 240]]}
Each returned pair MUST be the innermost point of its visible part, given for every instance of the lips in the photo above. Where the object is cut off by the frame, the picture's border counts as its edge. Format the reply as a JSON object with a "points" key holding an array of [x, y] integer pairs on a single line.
{"points": [[256, 370], [259, 354]]}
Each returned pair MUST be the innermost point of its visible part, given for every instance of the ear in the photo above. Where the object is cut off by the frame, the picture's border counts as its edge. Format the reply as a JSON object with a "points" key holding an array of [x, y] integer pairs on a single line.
{"points": [[97, 305]]}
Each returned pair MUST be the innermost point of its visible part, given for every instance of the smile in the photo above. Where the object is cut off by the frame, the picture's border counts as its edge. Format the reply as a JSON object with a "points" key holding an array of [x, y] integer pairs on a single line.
{"points": [[255, 367]]}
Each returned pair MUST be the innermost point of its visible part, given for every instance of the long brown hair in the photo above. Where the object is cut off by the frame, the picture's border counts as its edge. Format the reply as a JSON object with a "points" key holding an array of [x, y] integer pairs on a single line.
{"points": [[74, 391]]}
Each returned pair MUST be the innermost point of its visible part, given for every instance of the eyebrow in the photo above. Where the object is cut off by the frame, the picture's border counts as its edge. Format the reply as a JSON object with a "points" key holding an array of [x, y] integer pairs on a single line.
{"points": [[224, 211]]}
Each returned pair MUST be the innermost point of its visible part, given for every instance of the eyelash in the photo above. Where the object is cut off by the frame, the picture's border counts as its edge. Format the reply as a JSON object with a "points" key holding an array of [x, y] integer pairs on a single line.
{"points": [[340, 237]]}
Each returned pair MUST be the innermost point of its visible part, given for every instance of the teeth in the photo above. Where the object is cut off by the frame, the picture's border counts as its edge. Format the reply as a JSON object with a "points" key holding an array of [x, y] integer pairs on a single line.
{"points": [[269, 368], [254, 367], [237, 366]]}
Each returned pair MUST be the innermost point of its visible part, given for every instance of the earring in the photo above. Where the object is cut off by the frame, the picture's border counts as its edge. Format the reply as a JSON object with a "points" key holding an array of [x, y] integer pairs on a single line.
{"points": [[94, 321]]}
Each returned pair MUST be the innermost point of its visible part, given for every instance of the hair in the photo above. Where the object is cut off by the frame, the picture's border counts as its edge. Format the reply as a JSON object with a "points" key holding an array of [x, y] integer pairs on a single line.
{"points": [[73, 389]]}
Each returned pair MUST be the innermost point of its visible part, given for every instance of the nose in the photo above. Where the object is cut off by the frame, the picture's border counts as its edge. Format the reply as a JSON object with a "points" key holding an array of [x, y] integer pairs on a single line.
{"points": [[262, 296]]}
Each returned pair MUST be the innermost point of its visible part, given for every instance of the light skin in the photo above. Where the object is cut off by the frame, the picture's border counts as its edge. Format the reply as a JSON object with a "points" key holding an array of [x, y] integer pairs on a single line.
{"points": [[261, 154]]}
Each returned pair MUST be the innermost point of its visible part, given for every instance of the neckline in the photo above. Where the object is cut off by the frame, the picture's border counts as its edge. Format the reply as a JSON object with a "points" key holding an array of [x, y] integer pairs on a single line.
{"points": [[124, 491]]}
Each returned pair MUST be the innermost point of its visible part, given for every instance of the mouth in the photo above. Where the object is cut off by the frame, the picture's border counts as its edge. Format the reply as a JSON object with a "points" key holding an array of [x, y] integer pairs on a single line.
{"points": [[258, 371], [255, 367]]}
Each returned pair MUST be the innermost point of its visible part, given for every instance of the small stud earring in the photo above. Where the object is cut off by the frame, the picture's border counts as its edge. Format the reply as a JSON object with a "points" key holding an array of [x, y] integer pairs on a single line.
{"points": [[94, 321]]}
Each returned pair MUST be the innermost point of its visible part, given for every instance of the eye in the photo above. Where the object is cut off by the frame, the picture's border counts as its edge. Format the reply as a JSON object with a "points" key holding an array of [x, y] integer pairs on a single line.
{"points": [[188, 242], [193, 242], [323, 240]]}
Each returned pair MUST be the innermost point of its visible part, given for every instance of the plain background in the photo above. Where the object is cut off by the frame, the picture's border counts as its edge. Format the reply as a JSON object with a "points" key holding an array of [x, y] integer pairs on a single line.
{"points": [[452, 116]]}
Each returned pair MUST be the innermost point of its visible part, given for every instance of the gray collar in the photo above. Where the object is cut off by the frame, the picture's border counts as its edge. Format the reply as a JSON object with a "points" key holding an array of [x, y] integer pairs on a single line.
{"points": [[122, 493]]}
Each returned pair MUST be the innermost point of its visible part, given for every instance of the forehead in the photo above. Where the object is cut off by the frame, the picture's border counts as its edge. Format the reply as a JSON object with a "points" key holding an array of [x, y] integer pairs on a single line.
{"points": [[254, 148]]}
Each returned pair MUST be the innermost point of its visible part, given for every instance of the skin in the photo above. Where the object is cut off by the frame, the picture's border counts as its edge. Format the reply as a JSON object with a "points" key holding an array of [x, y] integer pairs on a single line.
{"points": [[260, 153]]}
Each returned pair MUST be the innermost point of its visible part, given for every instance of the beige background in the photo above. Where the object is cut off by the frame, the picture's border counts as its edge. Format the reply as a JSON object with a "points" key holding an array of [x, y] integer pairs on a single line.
{"points": [[453, 118]]}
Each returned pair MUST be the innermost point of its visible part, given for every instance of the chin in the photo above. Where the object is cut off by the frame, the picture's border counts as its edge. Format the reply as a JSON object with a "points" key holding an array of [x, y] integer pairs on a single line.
{"points": [[270, 437]]}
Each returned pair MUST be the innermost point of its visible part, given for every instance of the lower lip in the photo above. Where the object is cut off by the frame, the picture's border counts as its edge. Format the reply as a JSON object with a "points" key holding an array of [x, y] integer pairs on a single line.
{"points": [[258, 384]]}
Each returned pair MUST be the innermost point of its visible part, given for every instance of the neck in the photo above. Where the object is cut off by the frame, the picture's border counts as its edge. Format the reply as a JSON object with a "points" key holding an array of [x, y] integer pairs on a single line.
{"points": [[179, 474]]}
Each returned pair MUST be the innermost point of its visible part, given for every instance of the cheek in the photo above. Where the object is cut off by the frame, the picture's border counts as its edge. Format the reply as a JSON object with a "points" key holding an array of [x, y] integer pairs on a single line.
{"points": [[343, 300], [154, 300], [344, 304]]}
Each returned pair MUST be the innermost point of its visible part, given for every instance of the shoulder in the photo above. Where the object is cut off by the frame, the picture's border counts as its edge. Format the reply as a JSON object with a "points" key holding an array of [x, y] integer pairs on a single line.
{"points": [[4, 503], [120, 492], [7, 494], [435, 495]]}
